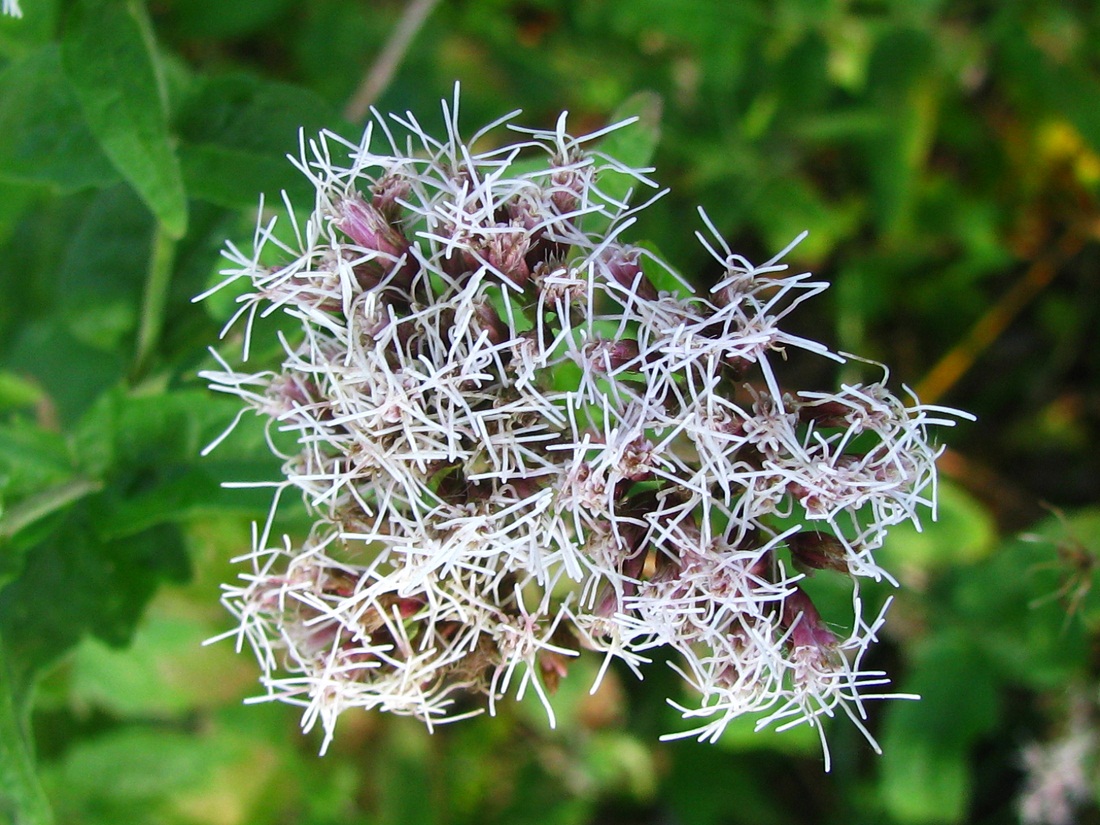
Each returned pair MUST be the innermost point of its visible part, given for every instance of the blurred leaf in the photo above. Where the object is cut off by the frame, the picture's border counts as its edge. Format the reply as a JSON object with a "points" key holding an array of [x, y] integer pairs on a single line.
{"points": [[165, 672], [215, 19], [620, 765], [110, 59], [72, 373], [1067, 87], [43, 136], [31, 459], [99, 284], [633, 146], [16, 391], [22, 800], [147, 448], [705, 787], [237, 131], [36, 480], [73, 584], [1010, 606], [18, 517], [907, 94], [147, 775], [403, 780], [20, 35], [962, 533], [925, 770], [790, 206]]}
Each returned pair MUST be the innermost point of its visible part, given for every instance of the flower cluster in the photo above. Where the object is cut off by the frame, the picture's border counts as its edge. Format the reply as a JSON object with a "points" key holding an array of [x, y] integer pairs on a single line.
{"points": [[522, 438]]}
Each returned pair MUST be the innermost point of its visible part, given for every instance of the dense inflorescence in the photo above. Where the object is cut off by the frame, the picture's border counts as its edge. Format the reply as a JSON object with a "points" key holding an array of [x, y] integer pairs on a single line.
{"points": [[516, 446]]}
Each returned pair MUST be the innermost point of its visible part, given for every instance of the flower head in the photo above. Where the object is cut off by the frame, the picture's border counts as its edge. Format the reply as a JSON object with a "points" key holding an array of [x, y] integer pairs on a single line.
{"points": [[516, 446]]}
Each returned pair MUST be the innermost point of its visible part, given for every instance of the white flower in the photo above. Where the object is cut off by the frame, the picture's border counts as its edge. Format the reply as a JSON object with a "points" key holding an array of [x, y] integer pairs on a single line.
{"points": [[1058, 776], [516, 447], [11, 8]]}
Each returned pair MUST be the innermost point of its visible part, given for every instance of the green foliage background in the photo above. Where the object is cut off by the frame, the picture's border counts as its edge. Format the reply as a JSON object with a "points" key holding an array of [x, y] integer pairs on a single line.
{"points": [[942, 154]]}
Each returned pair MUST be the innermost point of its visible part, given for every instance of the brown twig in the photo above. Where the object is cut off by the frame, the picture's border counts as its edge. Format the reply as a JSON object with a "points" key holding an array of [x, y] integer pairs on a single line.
{"points": [[952, 366], [381, 71]]}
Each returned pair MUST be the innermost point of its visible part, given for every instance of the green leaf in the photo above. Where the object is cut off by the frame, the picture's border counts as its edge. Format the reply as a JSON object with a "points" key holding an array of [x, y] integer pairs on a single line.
{"points": [[152, 775], [163, 673], [147, 449], [73, 584], [109, 56], [20, 35], [32, 458], [216, 19], [908, 95], [703, 786], [21, 797], [72, 373], [404, 779], [16, 391], [1012, 609], [1067, 87], [925, 771], [962, 533], [632, 146], [43, 136], [98, 287], [236, 132], [37, 507]]}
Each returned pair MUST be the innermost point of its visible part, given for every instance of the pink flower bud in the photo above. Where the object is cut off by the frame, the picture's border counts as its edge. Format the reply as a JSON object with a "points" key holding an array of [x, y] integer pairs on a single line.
{"points": [[366, 226], [621, 265], [805, 623], [812, 550]]}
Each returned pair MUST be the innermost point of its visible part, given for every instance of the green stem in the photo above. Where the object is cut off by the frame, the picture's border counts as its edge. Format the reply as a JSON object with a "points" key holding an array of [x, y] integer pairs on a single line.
{"points": [[21, 794], [155, 301], [49, 501]]}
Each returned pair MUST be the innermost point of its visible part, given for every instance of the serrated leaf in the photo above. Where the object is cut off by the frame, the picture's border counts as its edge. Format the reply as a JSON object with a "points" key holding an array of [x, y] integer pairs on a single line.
{"points": [[110, 60], [43, 136], [73, 584]]}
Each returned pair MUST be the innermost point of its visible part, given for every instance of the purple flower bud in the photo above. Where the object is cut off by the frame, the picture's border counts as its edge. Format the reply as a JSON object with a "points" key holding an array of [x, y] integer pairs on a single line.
{"points": [[636, 462], [506, 252], [490, 321], [609, 356], [812, 550], [386, 193], [805, 623], [366, 226], [826, 413], [620, 264], [569, 185]]}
